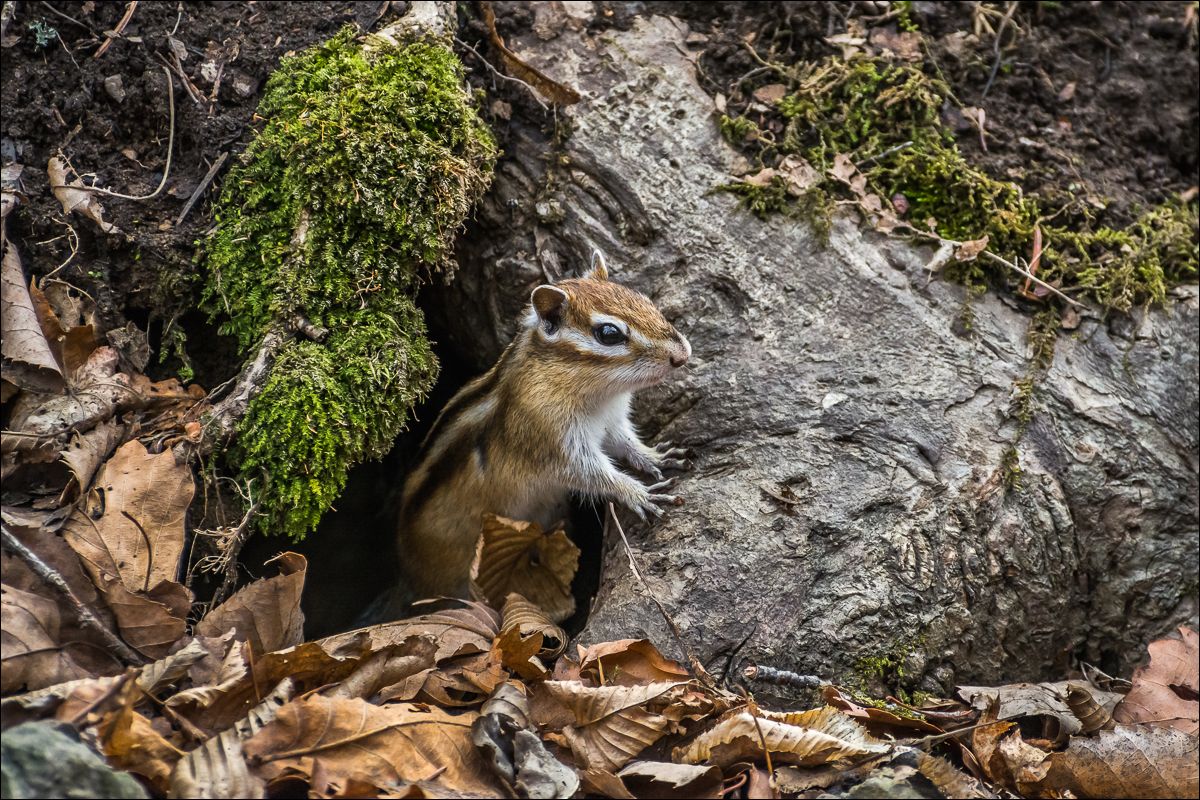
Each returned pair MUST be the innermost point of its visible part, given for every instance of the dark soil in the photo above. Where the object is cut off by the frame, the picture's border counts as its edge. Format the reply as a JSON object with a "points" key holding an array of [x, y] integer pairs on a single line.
{"points": [[1093, 102], [1126, 132]]}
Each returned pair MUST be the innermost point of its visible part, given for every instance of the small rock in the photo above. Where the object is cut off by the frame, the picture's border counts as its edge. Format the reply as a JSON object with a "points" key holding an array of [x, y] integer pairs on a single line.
{"points": [[501, 109], [46, 759], [115, 88], [244, 85]]}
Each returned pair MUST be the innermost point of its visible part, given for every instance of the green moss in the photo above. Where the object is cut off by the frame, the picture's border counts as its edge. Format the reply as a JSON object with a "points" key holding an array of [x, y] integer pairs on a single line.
{"points": [[887, 119], [365, 169]]}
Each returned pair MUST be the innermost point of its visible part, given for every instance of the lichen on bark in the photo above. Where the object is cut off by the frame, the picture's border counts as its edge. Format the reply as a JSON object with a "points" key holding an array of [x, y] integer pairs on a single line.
{"points": [[367, 164]]}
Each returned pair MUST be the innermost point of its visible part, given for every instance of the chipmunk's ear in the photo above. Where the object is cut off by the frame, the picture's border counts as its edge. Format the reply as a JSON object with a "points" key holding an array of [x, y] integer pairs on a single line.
{"points": [[599, 269], [549, 303]]}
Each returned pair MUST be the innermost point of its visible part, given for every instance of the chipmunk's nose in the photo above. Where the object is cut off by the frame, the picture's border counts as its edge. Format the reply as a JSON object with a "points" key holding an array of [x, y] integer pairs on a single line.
{"points": [[680, 355]]}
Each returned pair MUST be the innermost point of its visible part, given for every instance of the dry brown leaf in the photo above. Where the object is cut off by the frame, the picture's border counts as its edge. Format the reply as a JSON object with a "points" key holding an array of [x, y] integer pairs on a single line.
{"points": [[1128, 761], [515, 556], [132, 744], [799, 175], [519, 653], [808, 738], [947, 779], [387, 667], [31, 646], [1166, 690], [23, 340], [551, 89], [770, 94], [516, 755], [458, 631], [88, 451], [667, 780], [330, 742], [628, 662], [139, 533], [613, 724], [969, 251], [463, 681], [217, 768], [1044, 700], [150, 622], [56, 553], [904, 45], [529, 619], [98, 392], [74, 198], [1091, 715], [265, 613]]}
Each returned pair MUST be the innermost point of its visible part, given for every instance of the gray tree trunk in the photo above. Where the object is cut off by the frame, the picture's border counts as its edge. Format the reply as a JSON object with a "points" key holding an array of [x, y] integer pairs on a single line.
{"points": [[834, 376]]}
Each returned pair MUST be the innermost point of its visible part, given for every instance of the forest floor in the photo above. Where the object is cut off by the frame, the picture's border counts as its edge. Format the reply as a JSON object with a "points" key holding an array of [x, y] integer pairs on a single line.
{"points": [[1092, 105]]}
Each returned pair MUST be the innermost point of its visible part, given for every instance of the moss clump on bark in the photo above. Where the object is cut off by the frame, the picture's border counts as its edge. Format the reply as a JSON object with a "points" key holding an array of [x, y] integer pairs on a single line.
{"points": [[365, 168], [887, 118]]}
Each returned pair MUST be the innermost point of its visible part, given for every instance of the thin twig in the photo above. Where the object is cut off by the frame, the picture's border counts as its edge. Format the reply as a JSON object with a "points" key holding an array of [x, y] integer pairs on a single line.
{"points": [[116, 32], [208, 178], [1004, 23], [69, 18], [170, 150], [697, 667], [895, 149], [501, 75], [1003, 262], [84, 614]]}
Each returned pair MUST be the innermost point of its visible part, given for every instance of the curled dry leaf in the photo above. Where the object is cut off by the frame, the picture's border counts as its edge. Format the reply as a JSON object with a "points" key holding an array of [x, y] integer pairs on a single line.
{"points": [[516, 556], [331, 742], [23, 341], [138, 534], [807, 738], [529, 619], [217, 768], [1166, 691], [613, 724], [515, 754], [75, 199], [628, 662], [265, 613], [1091, 715], [520, 653], [87, 452]]}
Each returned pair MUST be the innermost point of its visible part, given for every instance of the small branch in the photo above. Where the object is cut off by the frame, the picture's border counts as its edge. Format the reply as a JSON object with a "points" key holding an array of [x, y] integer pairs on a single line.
{"points": [[781, 677], [222, 421], [208, 178], [170, 152], [82, 612], [116, 32]]}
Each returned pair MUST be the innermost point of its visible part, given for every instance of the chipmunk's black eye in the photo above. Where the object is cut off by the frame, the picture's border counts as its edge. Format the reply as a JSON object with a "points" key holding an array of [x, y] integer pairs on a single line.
{"points": [[608, 334]]}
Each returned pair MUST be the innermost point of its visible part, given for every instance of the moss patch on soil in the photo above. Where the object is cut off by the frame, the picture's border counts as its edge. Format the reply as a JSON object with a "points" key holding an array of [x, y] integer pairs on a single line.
{"points": [[367, 164], [888, 119]]}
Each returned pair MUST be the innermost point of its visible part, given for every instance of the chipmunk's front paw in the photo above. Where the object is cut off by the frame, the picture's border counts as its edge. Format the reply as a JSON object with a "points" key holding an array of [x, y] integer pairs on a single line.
{"points": [[672, 457]]}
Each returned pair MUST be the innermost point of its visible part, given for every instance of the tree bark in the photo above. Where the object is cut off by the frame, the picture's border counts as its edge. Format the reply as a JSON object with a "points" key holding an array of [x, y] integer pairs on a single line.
{"points": [[848, 511]]}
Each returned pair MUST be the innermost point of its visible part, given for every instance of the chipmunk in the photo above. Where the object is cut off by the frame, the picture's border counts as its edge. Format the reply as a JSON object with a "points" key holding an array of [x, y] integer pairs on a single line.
{"points": [[549, 419]]}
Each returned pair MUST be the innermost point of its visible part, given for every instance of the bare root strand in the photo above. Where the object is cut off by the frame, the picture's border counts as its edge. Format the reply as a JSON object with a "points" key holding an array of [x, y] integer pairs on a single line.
{"points": [[170, 151]]}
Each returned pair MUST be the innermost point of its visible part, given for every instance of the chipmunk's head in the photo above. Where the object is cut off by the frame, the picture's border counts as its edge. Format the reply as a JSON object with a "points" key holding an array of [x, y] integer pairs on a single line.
{"points": [[611, 336]]}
